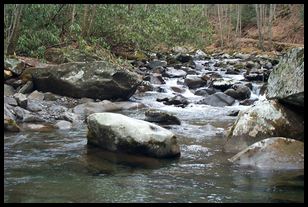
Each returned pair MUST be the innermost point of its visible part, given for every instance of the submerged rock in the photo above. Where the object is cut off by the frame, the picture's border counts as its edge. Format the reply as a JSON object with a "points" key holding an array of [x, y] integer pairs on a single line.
{"points": [[272, 153], [264, 119], [116, 132], [98, 80], [286, 81]]}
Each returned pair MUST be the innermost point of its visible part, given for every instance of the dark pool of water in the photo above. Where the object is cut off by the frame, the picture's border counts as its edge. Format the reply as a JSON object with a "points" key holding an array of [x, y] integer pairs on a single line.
{"points": [[60, 167]]}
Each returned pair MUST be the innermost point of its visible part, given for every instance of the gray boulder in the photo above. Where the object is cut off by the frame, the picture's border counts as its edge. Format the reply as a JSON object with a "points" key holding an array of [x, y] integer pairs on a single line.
{"points": [[116, 132], [161, 117], [218, 99], [263, 119], [272, 153], [63, 125], [98, 80], [239, 91], [8, 90], [194, 81], [21, 99], [286, 81]]}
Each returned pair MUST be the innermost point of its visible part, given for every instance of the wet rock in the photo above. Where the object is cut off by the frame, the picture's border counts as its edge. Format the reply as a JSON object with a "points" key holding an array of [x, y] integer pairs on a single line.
{"points": [[10, 100], [177, 89], [63, 125], [33, 118], [9, 112], [242, 56], [20, 112], [233, 113], [286, 81], [188, 70], [248, 102], [174, 73], [36, 95], [21, 99], [27, 88], [156, 63], [155, 79], [177, 100], [8, 90], [255, 77], [10, 125], [85, 100], [51, 96], [95, 107], [194, 81], [239, 91], [184, 58], [17, 83], [218, 99], [263, 119], [122, 133], [268, 65], [69, 116], [202, 92], [250, 65], [99, 79], [200, 55], [213, 75], [249, 85], [7, 74], [223, 83], [34, 105], [233, 71], [14, 65], [37, 127], [161, 117], [272, 153], [126, 105]]}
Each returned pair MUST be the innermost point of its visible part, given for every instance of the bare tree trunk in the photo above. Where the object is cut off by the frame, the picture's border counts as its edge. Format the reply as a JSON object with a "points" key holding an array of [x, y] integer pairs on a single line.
{"points": [[73, 14], [204, 11], [130, 7], [85, 20], [270, 19], [92, 16], [259, 24], [14, 29], [145, 7], [220, 25]]}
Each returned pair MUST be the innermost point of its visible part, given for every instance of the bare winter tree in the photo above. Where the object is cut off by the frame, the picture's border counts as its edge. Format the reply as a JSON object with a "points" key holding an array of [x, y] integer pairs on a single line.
{"points": [[13, 31]]}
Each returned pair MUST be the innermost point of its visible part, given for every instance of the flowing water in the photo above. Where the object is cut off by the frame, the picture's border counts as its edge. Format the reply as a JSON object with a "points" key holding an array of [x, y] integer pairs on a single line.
{"points": [[59, 166]]}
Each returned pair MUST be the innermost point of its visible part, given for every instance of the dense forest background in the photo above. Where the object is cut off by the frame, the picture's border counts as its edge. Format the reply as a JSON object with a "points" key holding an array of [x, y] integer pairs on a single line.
{"points": [[30, 29]]}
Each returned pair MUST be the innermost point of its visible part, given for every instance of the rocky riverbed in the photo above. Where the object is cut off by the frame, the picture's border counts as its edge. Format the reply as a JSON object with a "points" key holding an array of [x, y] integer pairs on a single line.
{"points": [[208, 102]]}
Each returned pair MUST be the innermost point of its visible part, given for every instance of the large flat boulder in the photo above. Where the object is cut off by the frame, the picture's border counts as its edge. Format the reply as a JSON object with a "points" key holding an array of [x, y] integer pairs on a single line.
{"points": [[272, 153], [286, 81], [97, 80], [116, 132], [262, 120]]}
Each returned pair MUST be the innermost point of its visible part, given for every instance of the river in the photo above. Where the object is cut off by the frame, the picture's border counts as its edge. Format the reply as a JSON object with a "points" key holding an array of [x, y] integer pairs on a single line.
{"points": [[59, 166]]}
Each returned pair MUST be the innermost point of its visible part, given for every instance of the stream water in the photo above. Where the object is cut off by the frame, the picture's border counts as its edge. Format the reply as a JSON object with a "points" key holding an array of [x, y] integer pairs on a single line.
{"points": [[59, 166]]}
